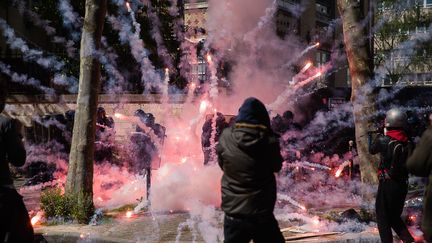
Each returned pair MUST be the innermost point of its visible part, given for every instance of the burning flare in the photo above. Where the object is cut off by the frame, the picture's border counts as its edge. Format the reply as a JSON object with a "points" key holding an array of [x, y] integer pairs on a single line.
{"points": [[36, 218], [209, 59], [128, 7], [203, 106], [341, 168], [306, 67], [129, 214]]}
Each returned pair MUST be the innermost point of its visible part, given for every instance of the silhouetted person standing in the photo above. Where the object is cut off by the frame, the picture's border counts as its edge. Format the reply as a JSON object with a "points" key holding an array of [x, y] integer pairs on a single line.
{"points": [[393, 147], [15, 223], [420, 164], [249, 155]]}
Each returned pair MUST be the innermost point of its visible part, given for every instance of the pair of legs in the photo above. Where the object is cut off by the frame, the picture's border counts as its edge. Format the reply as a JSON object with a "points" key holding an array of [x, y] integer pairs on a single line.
{"points": [[259, 229], [389, 206]]}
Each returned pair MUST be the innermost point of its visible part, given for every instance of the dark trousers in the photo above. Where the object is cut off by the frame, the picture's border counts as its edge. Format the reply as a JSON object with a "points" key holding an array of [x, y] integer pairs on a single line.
{"points": [[15, 223], [259, 229], [389, 205]]}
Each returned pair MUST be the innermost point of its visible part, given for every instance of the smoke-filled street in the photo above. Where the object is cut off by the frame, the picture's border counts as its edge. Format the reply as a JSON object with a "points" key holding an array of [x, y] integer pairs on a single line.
{"points": [[215, 121]]}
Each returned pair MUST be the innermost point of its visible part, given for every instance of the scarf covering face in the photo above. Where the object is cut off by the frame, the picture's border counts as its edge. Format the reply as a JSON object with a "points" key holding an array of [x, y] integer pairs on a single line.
{"points": [[398, 135], [253, 111]]}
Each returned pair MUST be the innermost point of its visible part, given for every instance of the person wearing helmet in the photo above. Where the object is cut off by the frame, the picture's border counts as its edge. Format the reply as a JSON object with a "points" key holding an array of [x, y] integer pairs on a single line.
{"points": [[104, 137], [394, 147]]}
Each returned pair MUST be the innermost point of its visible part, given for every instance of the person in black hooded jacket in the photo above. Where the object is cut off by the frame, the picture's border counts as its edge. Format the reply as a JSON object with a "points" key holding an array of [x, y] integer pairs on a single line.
{"points": [[420, 164], [249, 155], [14, 219]]}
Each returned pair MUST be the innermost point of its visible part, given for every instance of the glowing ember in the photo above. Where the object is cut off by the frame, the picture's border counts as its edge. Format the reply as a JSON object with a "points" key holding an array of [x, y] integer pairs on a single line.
{"points": [[129, 214], [128, 7], [209, 59], [338, 172], [119, 116], [100, 199], [412, 218], [316, 221], [166, 70], [36, 218], [317, 44], [82, 236], [303, 207], [203, 106], [183, 160]]}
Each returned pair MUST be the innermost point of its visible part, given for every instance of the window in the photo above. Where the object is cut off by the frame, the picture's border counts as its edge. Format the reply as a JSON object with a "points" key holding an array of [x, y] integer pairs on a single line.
{"points": [[427, 3], [322, 9], [322, 57]]}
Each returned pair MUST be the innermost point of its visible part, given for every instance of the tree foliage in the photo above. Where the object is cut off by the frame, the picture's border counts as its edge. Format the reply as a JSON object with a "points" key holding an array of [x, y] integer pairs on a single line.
{"points": [[398, 25]]}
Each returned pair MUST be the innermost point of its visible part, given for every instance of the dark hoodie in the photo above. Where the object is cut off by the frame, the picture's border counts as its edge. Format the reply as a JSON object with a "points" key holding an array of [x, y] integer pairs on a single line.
{"points": [[420, 164], [249, 155], [11, 148]]}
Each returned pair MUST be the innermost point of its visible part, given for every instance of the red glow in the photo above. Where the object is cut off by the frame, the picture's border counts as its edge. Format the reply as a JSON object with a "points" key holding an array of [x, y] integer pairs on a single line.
{"points": [[129, 214], [412, 218], [166, 70], [317, 44], [209, 59]]}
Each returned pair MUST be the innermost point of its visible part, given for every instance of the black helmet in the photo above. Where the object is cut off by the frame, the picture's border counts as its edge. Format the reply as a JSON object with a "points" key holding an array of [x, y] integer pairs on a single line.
{"points": [[140, 113], [100, 110], [149, 119], [396, 118]]}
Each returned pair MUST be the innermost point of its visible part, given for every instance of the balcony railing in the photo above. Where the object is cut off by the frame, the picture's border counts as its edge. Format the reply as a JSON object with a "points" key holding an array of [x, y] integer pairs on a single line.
{"points": [[414, 79]]}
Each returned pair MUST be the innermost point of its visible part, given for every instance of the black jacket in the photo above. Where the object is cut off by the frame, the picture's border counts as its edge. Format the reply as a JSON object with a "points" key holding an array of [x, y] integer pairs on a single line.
{"points": [[249, 155], [420, 164], [393, 156], [11, 148]]}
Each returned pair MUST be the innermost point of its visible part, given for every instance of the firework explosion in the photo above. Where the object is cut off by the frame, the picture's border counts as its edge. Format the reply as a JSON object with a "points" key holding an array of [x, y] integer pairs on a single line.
{"points": [[180, 181]]}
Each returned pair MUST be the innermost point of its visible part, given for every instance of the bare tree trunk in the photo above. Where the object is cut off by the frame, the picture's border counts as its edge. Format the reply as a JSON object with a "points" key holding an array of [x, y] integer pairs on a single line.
{"points": [[80, 171], [362, 98]]}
